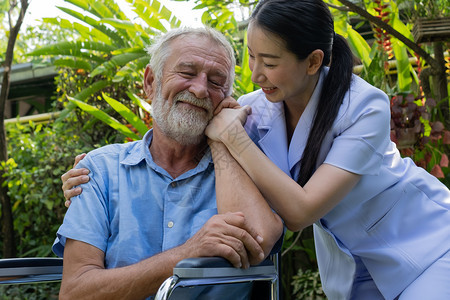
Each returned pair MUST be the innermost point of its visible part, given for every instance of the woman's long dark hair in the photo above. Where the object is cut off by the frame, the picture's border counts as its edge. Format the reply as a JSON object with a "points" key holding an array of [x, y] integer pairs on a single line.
{"points": [[304, 26]]}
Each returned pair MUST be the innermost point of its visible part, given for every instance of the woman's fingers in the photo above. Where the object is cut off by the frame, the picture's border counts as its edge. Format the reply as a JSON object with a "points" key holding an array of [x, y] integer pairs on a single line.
{"points": [[228, 102], [78, 158], [72, 178]]}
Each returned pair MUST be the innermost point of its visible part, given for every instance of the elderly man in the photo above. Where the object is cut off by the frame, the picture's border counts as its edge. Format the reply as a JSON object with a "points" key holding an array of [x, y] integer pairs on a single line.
{"points": [[151, 203]]}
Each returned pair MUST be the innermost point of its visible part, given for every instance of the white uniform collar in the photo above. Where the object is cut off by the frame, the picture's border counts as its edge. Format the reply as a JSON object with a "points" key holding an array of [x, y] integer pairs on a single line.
{"points": [[273, 133]]}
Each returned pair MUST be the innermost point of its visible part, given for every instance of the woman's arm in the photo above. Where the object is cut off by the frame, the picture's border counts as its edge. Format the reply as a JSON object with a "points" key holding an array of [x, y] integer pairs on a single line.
{"points": [[298, 206]]}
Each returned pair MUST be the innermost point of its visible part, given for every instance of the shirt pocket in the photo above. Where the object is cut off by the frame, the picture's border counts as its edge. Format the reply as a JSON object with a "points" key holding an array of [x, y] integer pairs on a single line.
{"points": [[201, 218]]}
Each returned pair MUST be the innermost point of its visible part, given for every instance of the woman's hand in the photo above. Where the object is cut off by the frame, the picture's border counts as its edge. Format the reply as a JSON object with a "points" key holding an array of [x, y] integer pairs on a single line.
{"points": [[228, 102], [72, 178], [223, 124]]}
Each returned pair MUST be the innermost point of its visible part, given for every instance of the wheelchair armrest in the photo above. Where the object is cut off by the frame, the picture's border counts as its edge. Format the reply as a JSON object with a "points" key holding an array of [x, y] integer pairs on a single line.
{"points": [[211, 271], [207, 267], [30, 270]]}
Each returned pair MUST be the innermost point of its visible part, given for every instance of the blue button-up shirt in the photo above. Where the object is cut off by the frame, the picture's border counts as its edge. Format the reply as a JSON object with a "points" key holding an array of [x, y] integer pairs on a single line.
{"points": [[132, 209]]}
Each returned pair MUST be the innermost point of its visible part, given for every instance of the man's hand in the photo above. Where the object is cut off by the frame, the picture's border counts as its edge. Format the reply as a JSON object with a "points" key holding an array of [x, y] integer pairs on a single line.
{"points": [[73, 178], [84, 274], [229, 236]]}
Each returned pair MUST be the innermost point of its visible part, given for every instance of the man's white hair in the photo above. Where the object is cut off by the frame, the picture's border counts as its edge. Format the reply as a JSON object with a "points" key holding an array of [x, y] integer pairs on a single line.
{"points": [[160, 49]]}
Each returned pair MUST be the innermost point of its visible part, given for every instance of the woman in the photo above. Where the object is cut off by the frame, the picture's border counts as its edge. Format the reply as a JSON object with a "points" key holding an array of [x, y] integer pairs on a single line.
{"points": [[317, 145]]}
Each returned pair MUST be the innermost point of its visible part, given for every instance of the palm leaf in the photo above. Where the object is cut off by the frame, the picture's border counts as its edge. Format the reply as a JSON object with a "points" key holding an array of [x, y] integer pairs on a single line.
{"points": [[110, 10], [83, 95], [103, 9], [104, 117], [74, 64], [100, 29], [404, 79], [74, 49], [359, 46], [152, 13], [110, 66], [140, 102], [133, 30], [246, 73], [142, 62], [127, 114], [107, 9]]}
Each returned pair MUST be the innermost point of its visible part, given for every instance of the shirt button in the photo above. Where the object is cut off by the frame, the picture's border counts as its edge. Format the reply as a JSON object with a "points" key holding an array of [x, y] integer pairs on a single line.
{"points": [[170, 224], [173, 184]]}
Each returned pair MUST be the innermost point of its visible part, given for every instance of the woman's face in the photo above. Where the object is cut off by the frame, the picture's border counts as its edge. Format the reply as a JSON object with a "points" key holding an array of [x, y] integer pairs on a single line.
{"points": [[280, 74]]}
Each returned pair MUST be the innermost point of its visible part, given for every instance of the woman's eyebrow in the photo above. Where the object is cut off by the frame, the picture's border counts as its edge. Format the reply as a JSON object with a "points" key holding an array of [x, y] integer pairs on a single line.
{"points": [[268, 55]]}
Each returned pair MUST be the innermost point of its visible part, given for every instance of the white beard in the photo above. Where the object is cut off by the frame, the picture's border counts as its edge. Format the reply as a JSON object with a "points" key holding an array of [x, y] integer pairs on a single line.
{"points": [[185, 126]]}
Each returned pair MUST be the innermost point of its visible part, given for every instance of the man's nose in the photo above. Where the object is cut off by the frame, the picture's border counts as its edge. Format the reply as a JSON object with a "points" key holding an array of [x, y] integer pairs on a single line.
{"points": [[199, 86]]}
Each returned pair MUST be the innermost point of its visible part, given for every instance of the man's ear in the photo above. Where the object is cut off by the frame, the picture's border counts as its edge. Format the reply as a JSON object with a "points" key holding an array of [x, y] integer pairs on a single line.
{"points": [[315, 59], [149, 79]]}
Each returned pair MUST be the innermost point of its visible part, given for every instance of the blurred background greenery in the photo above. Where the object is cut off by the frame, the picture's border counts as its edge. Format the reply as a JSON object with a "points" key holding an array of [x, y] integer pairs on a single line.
{"points": [[95, 51]]}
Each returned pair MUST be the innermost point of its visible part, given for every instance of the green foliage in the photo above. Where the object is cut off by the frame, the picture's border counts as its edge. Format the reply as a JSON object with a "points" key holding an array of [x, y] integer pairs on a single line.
{"points": [[111, 45], [75, 82], [414, 9], [418, 133], [41, 291], [134, 120], [29, 37], [243, 81], [307, 285], [35, 36], [298, 253], [106, 63], [39, 155], [102, 116], [429, 139], [218, 15], [114, 57], [384, 52]]}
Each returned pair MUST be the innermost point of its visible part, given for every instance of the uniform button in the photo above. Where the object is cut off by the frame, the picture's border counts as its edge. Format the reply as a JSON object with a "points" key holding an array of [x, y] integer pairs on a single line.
{"points": [[173, 184], [170, 224]]}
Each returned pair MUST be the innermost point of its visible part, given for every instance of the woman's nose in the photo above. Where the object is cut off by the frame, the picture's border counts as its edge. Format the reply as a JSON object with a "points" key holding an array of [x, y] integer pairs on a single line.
{"points": [[257, 76]]}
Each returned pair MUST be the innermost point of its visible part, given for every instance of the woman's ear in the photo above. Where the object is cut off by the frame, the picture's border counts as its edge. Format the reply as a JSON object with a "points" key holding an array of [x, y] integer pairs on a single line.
{"points": [[315, 59], [149, 79]]}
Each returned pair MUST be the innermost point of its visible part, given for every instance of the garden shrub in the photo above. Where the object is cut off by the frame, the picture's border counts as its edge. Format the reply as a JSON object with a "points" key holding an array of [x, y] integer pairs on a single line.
{"points": [[38, 156], [46, 291]]}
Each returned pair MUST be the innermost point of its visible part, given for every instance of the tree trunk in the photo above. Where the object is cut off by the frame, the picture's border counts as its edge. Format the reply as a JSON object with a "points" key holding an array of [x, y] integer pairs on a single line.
{"points": [[9, 247]]}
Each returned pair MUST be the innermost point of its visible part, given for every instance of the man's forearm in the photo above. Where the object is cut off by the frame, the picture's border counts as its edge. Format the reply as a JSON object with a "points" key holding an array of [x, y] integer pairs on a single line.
{"points": [[84, 276], [235, 191]]}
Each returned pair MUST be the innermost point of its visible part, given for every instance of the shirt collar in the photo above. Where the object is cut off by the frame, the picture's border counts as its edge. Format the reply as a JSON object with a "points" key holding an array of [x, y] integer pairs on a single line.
{"points": [[141, 151]]}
